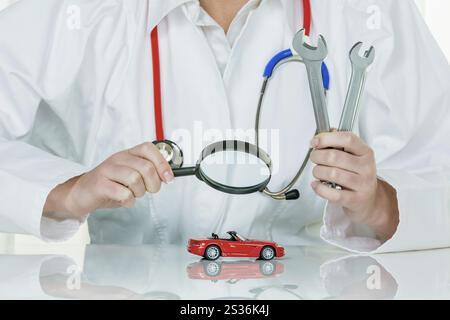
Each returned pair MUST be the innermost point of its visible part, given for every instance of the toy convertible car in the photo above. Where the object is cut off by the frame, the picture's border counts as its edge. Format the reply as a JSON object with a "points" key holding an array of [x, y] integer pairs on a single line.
{"points": [[233, 271], [235, 246]]}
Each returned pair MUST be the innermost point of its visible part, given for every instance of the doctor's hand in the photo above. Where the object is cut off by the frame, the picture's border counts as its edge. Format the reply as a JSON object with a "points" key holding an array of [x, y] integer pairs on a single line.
{"points": [[343, 158], [115, 183]]}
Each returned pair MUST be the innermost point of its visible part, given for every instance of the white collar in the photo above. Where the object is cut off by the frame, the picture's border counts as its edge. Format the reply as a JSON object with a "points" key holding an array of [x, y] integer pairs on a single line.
{"points": [[159, 9], [196, 13]]}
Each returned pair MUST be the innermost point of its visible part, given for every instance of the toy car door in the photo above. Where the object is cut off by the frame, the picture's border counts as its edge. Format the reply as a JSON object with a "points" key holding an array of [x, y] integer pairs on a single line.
{"points": [[242, 247]]}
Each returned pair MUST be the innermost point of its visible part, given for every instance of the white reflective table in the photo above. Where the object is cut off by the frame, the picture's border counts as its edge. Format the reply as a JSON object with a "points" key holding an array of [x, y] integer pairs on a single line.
{"points": [[169, 272]]}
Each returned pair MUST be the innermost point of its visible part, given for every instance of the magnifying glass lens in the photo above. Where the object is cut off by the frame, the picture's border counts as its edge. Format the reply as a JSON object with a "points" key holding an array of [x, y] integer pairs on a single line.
{"points": [[235, 169]]}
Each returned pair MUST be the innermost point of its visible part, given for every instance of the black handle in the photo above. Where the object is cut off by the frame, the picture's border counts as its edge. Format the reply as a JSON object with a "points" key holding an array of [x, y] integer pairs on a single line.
{"points": [[185, 172]]}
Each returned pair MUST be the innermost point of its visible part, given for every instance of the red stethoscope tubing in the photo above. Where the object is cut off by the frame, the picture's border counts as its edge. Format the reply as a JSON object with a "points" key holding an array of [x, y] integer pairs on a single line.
{"points": [[307, 16], [157, 91], [159, 127]]}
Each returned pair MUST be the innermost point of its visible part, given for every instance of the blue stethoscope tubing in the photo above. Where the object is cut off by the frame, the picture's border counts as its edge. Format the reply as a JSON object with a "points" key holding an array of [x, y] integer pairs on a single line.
{"points": [[283, 57], [286, 56]]}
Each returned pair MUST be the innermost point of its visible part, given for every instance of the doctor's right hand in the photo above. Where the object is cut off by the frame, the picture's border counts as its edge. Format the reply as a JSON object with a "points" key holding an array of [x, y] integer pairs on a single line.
{"points": [[115, 183]]}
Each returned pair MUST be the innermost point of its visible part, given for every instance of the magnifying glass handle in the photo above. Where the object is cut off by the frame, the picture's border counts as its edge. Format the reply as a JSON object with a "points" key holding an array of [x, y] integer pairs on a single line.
{"points": [[185, 172]]}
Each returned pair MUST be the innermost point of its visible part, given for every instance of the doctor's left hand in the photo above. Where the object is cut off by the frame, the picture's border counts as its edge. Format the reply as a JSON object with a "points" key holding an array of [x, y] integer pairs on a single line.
{"points": [[345, 159], [115, 183]]}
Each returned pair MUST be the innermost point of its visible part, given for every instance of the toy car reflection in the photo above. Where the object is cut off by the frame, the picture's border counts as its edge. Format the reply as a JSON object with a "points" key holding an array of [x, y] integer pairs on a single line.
{"points": [[234, 271], [235, 246]]}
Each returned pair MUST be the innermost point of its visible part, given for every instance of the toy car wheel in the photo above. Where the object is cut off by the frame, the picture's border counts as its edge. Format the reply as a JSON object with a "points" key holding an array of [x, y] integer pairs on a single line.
{"points": [[212, 268], [267, 268], [212, 253], [267, 253]]}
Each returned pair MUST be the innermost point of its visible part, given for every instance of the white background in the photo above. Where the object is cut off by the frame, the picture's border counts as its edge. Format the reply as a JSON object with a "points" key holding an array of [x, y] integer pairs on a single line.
{"points": [[436, 13]]}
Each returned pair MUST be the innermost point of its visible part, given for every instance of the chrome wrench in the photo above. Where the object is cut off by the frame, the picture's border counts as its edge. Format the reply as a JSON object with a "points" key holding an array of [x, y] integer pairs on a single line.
{"points": [[360, 64], [313, 58], [350, 113]]}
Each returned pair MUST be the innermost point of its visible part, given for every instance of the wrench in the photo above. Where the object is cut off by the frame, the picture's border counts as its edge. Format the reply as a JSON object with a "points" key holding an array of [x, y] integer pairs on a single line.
{"points": [[313, 58], [360, 64], [350, 113]]}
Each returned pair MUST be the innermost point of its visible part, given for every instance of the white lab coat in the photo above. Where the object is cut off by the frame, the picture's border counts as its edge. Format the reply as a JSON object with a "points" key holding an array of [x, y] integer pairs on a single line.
{"points": [[70, 97]]}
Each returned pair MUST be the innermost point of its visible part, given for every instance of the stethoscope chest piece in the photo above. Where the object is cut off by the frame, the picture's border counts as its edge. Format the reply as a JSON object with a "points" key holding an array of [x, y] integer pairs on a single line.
{"points": [[171, 152]]}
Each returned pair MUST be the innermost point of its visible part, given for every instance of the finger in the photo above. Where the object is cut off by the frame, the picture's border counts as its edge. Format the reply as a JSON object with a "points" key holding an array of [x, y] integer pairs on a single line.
{"points": [[151, 178], [116, 193], [348, 180], [338, 159], [124, 204], [146, 169], [127, 177], [128, 203], [150, 152], [346, 141], [342, 198]]}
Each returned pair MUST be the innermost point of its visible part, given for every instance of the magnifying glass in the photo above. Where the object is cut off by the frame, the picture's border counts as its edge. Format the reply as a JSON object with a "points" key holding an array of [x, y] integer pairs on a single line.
{"points": [[231, 166]]}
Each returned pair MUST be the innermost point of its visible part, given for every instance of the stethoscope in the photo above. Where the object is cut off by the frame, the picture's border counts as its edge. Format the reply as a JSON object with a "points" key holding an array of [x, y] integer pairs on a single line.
{"points": [[174, 155]]}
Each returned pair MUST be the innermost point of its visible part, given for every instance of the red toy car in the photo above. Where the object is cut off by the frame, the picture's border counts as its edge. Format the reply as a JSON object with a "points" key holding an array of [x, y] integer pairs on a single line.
{"points": [[233, 271], [235, 246]]}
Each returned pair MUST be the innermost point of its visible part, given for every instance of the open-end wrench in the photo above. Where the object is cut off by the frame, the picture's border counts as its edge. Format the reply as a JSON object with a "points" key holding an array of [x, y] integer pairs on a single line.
{"points": [[313, 58], [350, 113], [360, 64]]}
